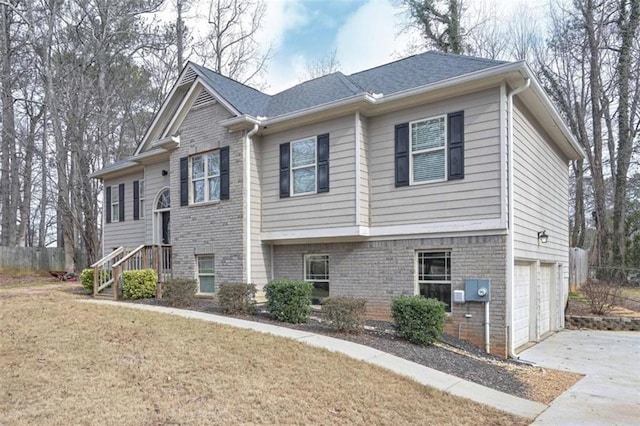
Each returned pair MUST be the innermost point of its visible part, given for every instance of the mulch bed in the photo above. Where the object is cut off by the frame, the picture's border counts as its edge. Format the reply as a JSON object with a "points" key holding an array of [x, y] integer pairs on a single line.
{"points": [[451, 355]]}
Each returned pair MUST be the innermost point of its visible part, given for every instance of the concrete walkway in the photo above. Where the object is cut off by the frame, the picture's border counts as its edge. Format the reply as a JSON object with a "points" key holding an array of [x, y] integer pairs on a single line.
{"points": [[421, 374], [610, 392]]}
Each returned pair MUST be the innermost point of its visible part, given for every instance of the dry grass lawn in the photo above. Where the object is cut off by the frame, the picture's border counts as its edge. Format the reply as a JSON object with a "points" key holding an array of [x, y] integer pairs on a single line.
{"points": [[65, 362]]}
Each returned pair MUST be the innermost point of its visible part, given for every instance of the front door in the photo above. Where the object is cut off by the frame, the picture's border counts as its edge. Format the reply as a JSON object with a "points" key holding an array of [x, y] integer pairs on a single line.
{"points": [[166, 233]]}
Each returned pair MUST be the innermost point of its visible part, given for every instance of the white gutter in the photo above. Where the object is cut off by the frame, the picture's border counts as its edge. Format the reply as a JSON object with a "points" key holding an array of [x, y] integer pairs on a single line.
{"points": [[510, 235], [247, 177], [357, 160]]}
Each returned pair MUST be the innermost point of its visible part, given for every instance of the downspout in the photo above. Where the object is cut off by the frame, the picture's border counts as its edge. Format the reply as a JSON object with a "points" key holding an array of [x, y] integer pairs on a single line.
{"points": [[510, 235], [247, 177]]}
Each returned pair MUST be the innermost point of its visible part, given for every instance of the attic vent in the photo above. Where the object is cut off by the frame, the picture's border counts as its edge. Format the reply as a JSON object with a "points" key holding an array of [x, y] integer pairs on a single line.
{"points": [[188, 77], [203, 98]]}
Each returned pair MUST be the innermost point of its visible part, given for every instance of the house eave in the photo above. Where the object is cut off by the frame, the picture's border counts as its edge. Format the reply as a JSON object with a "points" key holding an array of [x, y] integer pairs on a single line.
{"points": [[116, 171]]}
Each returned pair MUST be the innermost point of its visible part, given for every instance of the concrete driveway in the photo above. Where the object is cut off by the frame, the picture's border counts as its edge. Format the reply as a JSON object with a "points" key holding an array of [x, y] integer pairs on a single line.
{"points": [[610, 392]]}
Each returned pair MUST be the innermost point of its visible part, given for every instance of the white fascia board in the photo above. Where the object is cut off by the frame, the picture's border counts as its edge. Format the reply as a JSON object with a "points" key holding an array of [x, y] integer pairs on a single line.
{"points": [[101, 174], [553, 112], [486, 226], [166, 102]]}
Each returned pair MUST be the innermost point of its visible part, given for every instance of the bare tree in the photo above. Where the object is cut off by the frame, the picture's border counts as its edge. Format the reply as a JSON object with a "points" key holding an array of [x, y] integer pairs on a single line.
{"points": [[231, 48], [324, 65]]}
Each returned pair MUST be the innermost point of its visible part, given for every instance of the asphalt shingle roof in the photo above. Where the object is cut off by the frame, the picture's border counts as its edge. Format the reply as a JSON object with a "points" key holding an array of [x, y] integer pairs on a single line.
{"points": [[404, 74]]}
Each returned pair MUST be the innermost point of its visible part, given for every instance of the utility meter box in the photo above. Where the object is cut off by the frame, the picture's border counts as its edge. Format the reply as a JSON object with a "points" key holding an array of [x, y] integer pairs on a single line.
{"points": [[477, 290]]}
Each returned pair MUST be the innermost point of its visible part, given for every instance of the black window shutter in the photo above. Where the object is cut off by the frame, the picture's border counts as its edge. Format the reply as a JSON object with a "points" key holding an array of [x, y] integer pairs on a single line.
{"points": [[184, 181], [224, 173], [323, 163], [402, 154], [121, 201], [107, 203], [284, 170], [455, 138], [136, 200]]}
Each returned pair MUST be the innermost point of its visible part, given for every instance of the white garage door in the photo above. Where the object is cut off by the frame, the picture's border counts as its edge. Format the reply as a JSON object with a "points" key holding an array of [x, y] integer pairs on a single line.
{"points": [[521, 304], [545, 299]]}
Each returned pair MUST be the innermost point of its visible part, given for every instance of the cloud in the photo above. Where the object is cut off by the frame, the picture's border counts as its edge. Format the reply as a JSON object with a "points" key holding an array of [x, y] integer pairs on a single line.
{"points": [[371, 36]]}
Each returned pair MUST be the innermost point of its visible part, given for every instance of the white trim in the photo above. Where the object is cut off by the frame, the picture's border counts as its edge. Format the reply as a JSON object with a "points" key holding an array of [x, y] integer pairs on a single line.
{"points": [[306, 166], [205, 178], [247, 197], [417, 281], [483, 225], [155, 214], [428, 150], [304, 260], [181, 112], [357, 129], [503, 155], [510, 258]]}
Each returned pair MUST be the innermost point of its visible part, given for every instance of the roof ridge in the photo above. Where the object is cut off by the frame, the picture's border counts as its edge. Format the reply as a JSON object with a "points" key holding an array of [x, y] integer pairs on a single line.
{"points": [[202, 67], [458, 55]]}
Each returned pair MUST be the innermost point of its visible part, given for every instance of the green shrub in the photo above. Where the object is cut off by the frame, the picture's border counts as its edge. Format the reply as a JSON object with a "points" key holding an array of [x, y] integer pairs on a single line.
{"points": [[86, 278], [344, 313], [289, 301], [417, 319], [179, 291], [237, 298], [139, 284]]}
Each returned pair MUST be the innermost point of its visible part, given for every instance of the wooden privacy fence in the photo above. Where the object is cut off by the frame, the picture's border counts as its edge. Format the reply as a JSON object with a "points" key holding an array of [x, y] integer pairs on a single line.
{"points": [[578, 267], [31, 259]]}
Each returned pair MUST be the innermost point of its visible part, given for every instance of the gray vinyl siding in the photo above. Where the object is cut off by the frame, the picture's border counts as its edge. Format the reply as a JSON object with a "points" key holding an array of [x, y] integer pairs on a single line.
{"points": [[129, 233], [477, 196], [260, 254], [541, 198], [363, 190], [214, 228], [325, 210], [154, 182]]}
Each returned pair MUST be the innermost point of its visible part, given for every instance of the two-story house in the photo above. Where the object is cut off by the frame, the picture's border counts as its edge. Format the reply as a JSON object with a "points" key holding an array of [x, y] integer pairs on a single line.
{"points": [[409, 178]]}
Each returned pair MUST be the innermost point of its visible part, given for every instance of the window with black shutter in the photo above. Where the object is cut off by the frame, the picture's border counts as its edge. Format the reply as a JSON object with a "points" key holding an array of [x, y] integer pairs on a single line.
{"points": [[430, 150], [304, 166]]}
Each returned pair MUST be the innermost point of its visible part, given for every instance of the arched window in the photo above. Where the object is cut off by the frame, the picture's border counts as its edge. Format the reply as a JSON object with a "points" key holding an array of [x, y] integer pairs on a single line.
{"points": [[164, 202]]}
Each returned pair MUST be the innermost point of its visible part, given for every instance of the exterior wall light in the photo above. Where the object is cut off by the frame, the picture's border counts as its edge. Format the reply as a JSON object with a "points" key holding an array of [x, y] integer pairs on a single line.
{"points": [[543, 237]]}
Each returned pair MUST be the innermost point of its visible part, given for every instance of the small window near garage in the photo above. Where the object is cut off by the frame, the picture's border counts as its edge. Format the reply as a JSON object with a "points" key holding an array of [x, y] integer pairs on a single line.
{"points": [[434, 276], [206, 274], [316, 271]]}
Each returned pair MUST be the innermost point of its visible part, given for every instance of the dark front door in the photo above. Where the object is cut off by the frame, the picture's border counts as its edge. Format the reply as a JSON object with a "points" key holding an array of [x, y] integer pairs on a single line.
{"points": [[166, 234]]}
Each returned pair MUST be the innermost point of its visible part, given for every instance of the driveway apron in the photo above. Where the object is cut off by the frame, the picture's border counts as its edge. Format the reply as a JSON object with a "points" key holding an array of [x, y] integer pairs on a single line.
{"points": [[609, 394]]}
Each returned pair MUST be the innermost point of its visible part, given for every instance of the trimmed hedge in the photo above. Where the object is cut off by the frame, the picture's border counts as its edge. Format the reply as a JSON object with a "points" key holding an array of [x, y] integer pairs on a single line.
{"points": [[344, 313], [179, 291], [237, 298], [139, 284], [417, 319], [289, 300]]}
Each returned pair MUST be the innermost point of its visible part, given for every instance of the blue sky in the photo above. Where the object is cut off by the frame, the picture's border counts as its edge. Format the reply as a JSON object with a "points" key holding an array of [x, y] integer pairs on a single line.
{"points": [[364, 33]]}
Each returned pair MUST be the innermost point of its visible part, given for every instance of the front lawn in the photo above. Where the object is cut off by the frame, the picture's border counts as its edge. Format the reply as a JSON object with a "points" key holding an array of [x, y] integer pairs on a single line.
{"points": [[64, 362]]}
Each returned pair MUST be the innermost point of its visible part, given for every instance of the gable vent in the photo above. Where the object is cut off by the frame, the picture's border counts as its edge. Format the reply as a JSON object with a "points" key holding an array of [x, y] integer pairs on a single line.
{"points": [[188, 77], [203, 98]]}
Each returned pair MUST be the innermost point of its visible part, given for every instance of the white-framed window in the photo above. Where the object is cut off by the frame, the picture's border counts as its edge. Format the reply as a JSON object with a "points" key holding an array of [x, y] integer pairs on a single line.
{"points": [[428, 143], [433, 273], [205, 177], [141, 198], [115, 204], [316, 271], [206, 274], [304, 161]]}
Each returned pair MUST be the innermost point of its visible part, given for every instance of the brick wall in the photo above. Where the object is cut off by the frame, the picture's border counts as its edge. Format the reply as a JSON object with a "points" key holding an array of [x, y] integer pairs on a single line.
{"points": [[209, 228], [382, 270]]}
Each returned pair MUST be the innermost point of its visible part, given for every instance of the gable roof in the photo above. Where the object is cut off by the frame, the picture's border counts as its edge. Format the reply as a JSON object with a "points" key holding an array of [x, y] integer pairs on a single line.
{"points": [[404, 74]]}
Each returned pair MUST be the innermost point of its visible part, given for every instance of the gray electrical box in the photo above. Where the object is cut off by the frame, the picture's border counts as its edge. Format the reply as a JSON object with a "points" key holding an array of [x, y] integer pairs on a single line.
{"points": [[477, 290]]}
